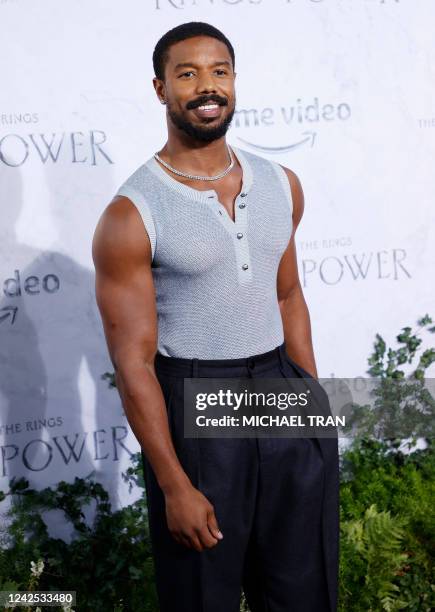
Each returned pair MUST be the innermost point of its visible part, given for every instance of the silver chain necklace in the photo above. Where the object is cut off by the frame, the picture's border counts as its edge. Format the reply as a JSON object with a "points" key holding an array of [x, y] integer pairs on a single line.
{"points": [[197, 177]]}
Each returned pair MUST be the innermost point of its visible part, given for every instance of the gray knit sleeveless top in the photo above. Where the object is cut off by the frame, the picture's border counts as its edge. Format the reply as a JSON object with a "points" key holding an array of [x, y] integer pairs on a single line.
{"points": [[215, 279]]}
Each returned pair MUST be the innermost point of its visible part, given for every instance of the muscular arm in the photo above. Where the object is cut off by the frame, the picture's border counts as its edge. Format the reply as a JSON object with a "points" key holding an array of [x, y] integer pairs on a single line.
{"points": [[294, 310], [125, 296]]}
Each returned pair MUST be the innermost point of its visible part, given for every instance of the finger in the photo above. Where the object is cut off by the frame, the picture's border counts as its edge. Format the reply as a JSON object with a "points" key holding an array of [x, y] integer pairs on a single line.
{"points": [[185, 540], [213, 525], [196, 544], [206, 538], [181, 538]]}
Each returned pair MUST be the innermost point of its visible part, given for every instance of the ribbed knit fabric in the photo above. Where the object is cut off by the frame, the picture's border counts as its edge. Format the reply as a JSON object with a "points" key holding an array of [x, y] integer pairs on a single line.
{"points": [[215, 280]]}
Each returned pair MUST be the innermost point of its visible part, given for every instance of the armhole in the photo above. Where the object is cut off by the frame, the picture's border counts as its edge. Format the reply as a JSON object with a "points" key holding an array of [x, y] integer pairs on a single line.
{"points": [[283, 178], [142, 205]]}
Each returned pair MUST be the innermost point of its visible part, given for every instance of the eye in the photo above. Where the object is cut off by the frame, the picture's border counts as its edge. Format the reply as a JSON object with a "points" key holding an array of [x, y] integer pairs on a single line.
{"points": [[187, 72], [221, 71]]}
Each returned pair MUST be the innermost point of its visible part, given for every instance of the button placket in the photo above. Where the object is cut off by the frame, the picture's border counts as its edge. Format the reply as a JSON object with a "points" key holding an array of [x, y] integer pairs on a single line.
{"points": [[237, 229], [241, 242]]}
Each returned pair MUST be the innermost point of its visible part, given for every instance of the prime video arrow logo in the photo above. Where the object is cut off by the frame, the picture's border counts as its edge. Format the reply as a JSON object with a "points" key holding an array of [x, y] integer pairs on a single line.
{"points": [[309, 139]]}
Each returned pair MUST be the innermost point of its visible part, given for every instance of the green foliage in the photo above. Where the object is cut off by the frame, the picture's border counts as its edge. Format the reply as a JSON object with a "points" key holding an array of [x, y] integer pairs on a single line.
{"points": [[387, 509], [385, 362], [375, 539], [108, 563], [387, 528], [400, 406]]}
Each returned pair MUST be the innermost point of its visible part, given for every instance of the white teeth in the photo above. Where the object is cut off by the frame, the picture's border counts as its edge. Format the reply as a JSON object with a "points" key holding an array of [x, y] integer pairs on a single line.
{"points": [[208, 106]]}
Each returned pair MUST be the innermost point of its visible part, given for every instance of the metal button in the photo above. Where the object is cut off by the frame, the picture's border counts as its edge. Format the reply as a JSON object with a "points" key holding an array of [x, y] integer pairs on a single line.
{"points": [[245, 267], [239, 235], [242, 205]]}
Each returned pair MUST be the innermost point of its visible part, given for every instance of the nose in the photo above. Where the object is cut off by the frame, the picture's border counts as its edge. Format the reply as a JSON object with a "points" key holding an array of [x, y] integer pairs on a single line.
{"points": [[206, 83]]}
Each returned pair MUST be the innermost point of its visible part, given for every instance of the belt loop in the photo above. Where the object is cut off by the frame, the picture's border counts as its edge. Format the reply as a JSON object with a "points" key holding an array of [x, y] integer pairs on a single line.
{"points": [[195, 368]]}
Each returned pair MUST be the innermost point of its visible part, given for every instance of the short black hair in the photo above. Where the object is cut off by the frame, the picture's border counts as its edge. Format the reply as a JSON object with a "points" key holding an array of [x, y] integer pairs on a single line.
{"points": [[182, 32]]}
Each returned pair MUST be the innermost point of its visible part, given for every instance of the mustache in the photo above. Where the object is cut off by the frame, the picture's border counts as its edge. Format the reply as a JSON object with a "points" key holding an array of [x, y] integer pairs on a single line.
{"points": [[206, 100]]}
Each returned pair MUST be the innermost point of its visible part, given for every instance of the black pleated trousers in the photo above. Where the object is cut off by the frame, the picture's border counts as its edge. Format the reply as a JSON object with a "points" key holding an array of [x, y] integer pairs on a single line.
{"points": [[275, 500]]}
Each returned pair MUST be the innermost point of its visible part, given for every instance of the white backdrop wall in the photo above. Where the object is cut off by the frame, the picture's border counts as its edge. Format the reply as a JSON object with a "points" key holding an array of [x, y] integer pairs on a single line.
{"points": [[341, 92]]}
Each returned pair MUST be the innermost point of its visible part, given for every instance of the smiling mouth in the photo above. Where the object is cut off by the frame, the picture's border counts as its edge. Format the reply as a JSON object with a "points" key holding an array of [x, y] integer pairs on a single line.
{"points": [[212, 109], [208, 106]]}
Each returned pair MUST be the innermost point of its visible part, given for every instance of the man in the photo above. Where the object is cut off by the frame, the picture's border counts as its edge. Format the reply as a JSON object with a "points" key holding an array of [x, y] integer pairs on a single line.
{"points": [[196, 276]]}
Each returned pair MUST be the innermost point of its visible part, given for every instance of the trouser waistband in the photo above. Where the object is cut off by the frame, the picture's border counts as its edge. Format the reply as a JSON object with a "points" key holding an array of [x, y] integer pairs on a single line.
{"points": [[194, 368]]}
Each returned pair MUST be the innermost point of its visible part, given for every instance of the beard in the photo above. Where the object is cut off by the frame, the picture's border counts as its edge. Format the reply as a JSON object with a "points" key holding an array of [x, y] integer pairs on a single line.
{"points": [[202, 133]]}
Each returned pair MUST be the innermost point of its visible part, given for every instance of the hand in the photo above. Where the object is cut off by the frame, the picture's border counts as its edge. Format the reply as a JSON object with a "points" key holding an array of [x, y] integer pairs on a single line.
{"points": [[191, 519]]}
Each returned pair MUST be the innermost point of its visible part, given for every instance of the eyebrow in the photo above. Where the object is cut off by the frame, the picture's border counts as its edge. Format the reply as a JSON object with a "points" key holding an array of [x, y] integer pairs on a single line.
{"points": [[191, 64]]}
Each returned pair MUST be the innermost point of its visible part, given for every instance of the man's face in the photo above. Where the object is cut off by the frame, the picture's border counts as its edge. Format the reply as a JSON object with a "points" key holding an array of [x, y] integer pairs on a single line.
{"points": [[199, 72]]}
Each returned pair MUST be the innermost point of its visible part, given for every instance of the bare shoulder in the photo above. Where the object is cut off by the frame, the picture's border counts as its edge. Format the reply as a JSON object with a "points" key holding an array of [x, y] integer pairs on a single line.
{"points": [[297, 194], [120, 236]]}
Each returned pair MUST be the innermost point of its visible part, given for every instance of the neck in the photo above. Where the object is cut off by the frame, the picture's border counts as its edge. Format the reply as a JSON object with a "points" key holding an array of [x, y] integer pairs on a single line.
{"points": [[202, 158]]}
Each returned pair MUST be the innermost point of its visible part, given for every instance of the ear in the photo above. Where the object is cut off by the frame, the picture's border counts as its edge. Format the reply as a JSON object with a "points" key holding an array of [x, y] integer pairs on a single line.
{"points": [[159, 88]]}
